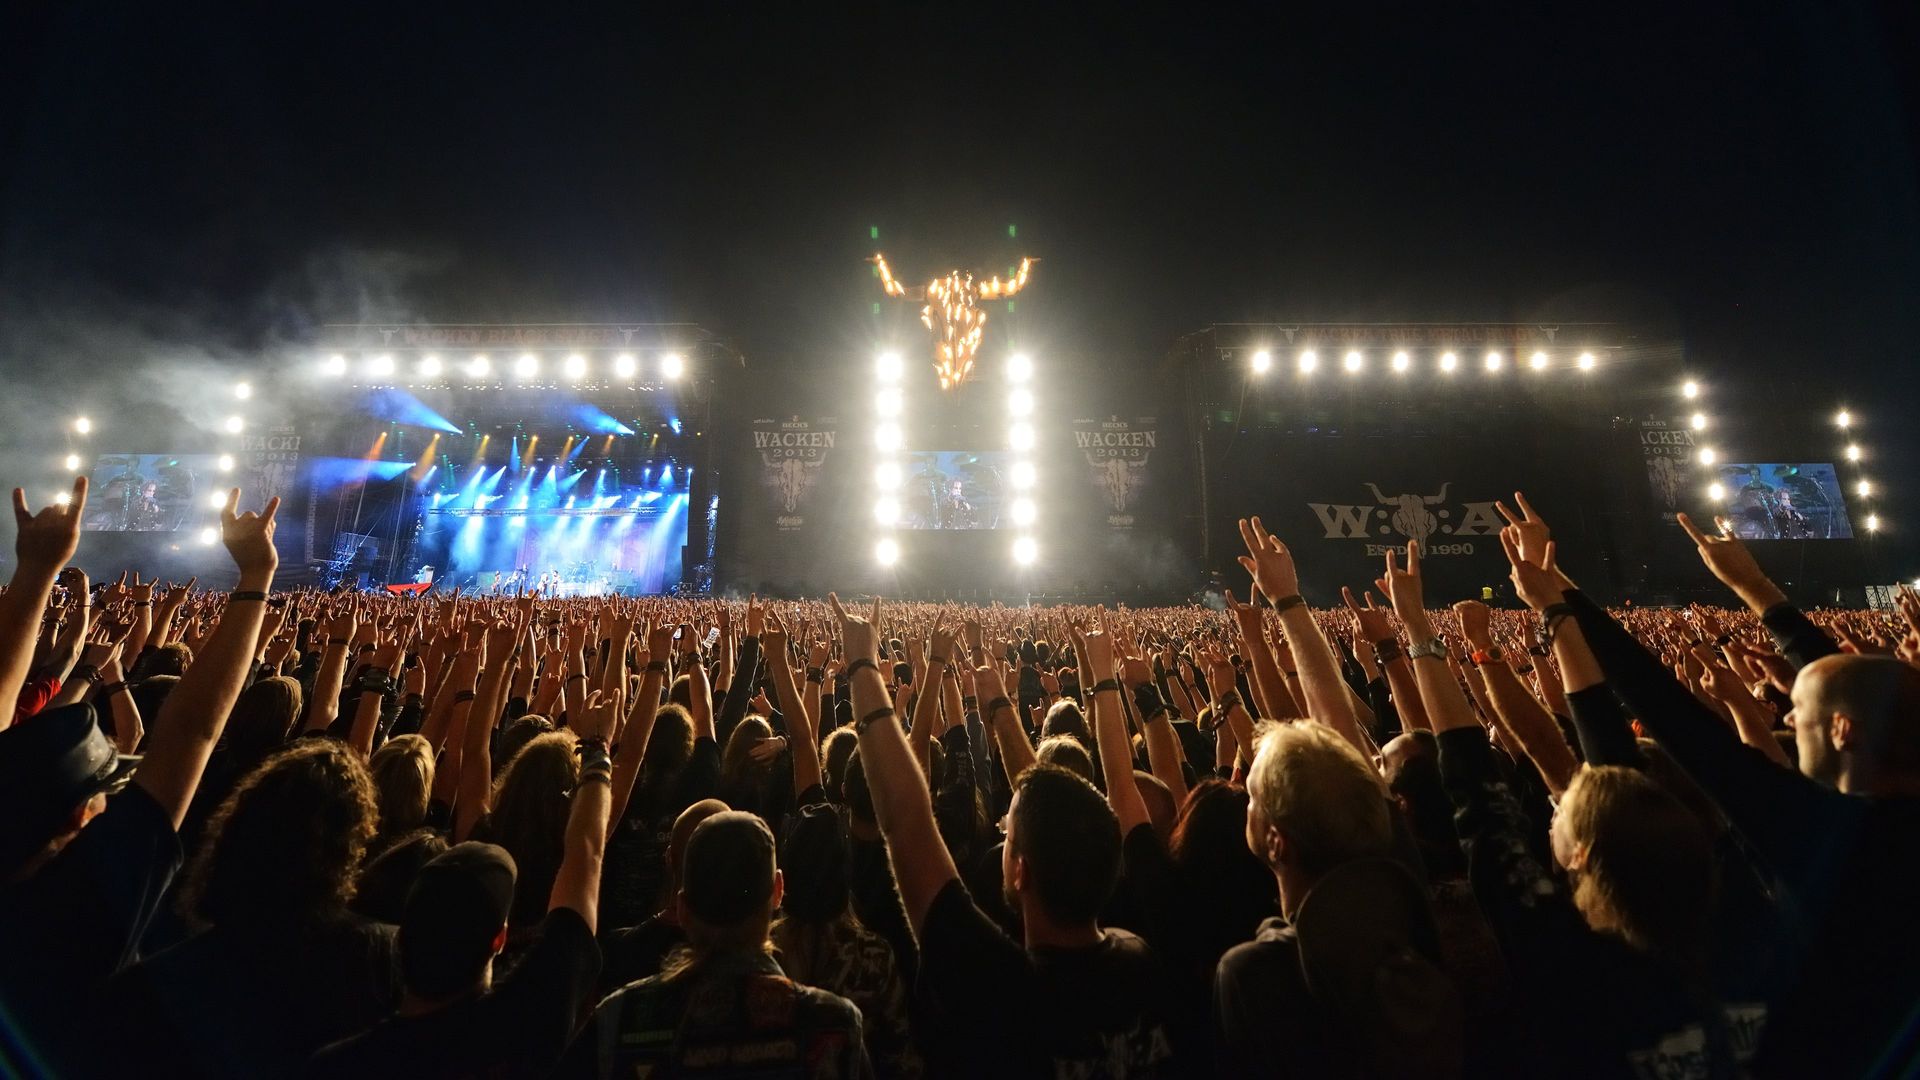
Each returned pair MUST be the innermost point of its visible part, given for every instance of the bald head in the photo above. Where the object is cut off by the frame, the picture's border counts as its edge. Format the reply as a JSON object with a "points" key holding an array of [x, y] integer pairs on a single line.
{"points": [[1857, 721]]}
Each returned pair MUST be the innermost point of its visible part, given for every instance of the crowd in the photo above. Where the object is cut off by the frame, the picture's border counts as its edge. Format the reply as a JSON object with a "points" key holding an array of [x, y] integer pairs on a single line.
{"points": [[290, 833]]}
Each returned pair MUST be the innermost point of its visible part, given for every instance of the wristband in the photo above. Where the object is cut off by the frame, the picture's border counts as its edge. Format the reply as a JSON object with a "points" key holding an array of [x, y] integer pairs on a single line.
{"points": [[88, 672], [111, 689], [1146, 701], [657, 665], [860, 665], [590, 742], [1228, 700], [1487, 655], [464, 696], [941, 660], [969, 703], [815, 674], [149, 603], [994, 706], [1105, 685], [1288, 603], [867, 721], [590, 776], [1386, 652], [575, 675], [238, 597]]}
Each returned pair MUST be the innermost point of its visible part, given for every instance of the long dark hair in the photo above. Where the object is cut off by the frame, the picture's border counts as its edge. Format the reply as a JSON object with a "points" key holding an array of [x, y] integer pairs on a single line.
{"points": [[286, 846]]}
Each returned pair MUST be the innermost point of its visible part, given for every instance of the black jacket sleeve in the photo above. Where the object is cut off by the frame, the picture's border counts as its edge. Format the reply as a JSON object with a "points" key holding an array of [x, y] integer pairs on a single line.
{"points": [[1796, 637], [1776, 809], [1601, 725], [733, 707]]}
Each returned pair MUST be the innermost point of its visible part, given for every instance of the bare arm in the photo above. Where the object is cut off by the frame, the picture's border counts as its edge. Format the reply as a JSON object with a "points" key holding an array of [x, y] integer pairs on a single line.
{"points": [[640, 716], [43, 543], [195, 713], [1110, 736], [1519, 711], [922, 866], [577, 884]]}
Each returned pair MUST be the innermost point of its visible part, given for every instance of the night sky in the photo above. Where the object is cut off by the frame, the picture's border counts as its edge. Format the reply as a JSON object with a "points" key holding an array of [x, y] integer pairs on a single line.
{"points": [[228, 179]]}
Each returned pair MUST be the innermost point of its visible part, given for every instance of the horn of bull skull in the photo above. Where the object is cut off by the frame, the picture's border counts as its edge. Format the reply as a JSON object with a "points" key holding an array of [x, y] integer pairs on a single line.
{"points": [[1434, 500], [1377, 497]]}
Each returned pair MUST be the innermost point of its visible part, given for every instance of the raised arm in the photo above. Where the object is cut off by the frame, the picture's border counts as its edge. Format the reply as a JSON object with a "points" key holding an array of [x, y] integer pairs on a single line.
{"points": [[577, 885], [1519, 711], [324, 702], [476, 757], [1374, 632], [1327, 696], [195, 712], [1440, 694], [43, 543], [804, 741], [1110, 735], [641, 712], [922, 866]]}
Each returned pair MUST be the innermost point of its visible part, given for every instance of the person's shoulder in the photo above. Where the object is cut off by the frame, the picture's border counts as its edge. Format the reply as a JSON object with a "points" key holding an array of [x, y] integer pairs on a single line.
{"points": [[1274, 951], [822, 1009]]}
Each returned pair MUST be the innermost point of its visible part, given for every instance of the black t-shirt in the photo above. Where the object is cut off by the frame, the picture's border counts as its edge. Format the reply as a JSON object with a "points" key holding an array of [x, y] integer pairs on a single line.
{"points": [[637, 952], [78, 920], [520, 1027], [1099, 1010], [250, 1000]]}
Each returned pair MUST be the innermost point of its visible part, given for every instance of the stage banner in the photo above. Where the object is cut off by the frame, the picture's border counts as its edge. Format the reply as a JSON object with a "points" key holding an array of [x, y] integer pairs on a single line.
{"points": [[268, 464], [1117, 453], [1667, 448], [1341, 503], [792, 454]]}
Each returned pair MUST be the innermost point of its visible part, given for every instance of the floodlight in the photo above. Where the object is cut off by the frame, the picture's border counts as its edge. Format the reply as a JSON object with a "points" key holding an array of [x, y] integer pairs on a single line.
{"points": [[886, 552], [1538, 361], [673, 365], [479, 366], [83, 425], [1262, 362], [576, 366], [624, 365], [1699, 421], [1019, 367], [1025, 551], [1401, 361], [1689, 389], [1707, 455], [430, 366], [235, 425], [1865, 489], [216, 500], [889, 366], [381, 365], [1309, 360], [1493, 361], [72, 462], [334, 365], [1716, 492], [225, 463], [526, 365], [1354, 361], [209, 535], [1845, 418], [1586, 361], [1449, 361], [243, 390], [1853, 453]]}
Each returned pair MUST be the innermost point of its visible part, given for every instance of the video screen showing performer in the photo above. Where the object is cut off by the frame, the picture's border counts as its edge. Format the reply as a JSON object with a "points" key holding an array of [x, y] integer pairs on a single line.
{"points": [[1777, 501], [954, 490], [147, 492]]}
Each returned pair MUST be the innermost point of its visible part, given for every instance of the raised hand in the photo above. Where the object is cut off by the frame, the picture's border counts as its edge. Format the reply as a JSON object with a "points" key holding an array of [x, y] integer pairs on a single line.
{"points": [[46, 540], [249, 536], [1529, 528], [1733, 564], [1371, 624], [1403, 588], [1539, 584], [1475, 623], [1269, 561], [858, 637]]}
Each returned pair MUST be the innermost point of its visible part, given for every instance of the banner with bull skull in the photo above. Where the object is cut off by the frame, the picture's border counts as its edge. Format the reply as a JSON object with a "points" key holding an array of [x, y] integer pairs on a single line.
{"points": [[1667, 447], [1117, 452], [792, 452]]}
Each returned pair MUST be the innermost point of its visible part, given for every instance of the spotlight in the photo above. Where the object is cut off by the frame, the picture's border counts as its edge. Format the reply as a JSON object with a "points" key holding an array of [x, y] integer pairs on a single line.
{"points": [[72, 462], [243, 390], [576, 366], [479, 366], [1020, 401], [1262, 362], [83, 425], [381, 365], [1493, 361], [887, 475], [209, 535], [1873, 522], [624, 365], [887, 437], [1689, 389], [1354, 361], [334, 365], [216, 500], [430, 366], [526, 366], [1716, 492], [63, 498], [225, 463], [1707, 455], [885, 511], [1844, 419], [1025, 475], [1699, 421], [1538, 361], [886, 552], [889, 367], [887, 402], [1020, 436], [1401, 361], [235, 425], [1586, 361], [1865, 489], [673, 365], [1309, 360], [1449, 361], [1019, 367], [1853, 452], [1026, 550], [1024, 512]]}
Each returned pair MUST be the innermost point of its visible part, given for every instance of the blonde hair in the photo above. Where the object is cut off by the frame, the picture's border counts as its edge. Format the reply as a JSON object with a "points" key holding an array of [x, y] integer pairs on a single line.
{"points": [[1315, 788], [1649, 874], [402, 782]]}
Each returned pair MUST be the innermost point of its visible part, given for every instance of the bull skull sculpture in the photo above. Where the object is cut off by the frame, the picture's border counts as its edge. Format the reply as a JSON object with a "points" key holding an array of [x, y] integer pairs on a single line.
{"points": [[953, 312]]}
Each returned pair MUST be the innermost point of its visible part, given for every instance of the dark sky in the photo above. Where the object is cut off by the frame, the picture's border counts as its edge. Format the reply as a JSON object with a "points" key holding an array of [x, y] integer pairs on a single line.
{"points": [[1747, 179]]}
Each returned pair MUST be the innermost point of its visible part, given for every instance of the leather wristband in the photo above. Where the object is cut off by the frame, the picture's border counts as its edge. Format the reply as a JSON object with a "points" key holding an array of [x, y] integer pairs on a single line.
{"points": [[242, 597], [111, 689], [994, 706], [815, 674], [872, 718], [860, 665], [1386, 652], [1288, 603], [1105, 685], [657, 665]]}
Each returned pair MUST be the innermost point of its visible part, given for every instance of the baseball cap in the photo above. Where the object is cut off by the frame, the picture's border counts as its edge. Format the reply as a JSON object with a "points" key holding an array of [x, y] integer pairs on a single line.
{"points": [[727, 873], [455, 909]]}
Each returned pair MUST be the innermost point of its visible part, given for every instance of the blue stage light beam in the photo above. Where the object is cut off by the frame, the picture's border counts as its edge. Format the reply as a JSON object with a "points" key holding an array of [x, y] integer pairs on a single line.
{"points": [[401, 407], [597, 420], [332, 472]]}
